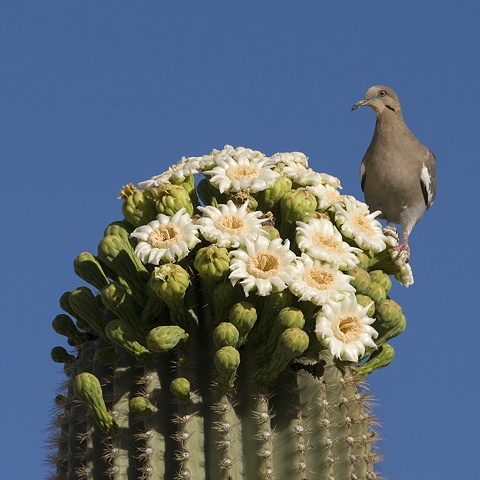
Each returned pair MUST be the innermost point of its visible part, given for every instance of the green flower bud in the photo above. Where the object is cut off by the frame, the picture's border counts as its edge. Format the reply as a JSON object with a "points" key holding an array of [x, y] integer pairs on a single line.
{"points": [[119, 301], [87, 388], [227, 361], [364, 260], [153, 310], [361, 279], [120, 333], [389, 311], [378, 359], [64, 325], [291, 344], [65, 304], [222, 299], [306, 216], [188, 183], [269, 199], [119, 229], [380, 277], [239, 198], [138, 206], [243, 315], [170, 282], [120, 257], [272, 304], [225, 334], [208, 194], [60, 355], [212, 263], [172, 198], [272, 232], [87, 268], [164, 338], [390, 320], [141, 406], [288, 317], [293, 205], [376, 292], [180, 388], [366, 301], [84, 305]]}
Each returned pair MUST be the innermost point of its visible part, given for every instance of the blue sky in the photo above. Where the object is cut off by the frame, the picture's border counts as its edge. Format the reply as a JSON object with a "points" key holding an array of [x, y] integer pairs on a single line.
{"points": [[94, 95]]}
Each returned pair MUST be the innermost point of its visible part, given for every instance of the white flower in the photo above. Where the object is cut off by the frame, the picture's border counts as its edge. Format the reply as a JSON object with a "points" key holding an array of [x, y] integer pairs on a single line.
{"points": [[345, 328], [317, 282], [326, 195], [304, 176], [288, 159], [405, 274], [186, 167], [242, 171], [321, 240], [228, 226], [177, 172], [355, 221], [155, 181], [262, 265], [166, 239], [331, 180]]}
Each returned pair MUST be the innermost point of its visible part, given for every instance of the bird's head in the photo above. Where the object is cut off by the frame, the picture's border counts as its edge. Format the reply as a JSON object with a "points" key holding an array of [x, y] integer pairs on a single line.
{"points": [[380, 99]]}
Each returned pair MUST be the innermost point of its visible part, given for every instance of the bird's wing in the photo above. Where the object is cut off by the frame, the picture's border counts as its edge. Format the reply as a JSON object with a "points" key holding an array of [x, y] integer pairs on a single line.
{"points": [[428, 179], [362, 175]]}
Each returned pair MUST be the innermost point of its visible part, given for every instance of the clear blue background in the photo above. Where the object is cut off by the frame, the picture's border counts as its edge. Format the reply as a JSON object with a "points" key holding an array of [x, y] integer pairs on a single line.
{"points": [[97, 94]]}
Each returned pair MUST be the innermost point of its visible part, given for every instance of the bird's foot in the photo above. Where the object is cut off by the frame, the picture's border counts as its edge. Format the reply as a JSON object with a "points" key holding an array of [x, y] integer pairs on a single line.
{"points": [[402, 250], [391, 231]]}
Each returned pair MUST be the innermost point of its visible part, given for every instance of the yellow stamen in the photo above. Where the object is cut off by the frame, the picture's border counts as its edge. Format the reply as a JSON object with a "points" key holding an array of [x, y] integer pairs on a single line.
{"points": [[347, 328], [263, 265], [328, 243], [164, 236], [241, 172], [233, 225], [363, 224], [319, 278]]}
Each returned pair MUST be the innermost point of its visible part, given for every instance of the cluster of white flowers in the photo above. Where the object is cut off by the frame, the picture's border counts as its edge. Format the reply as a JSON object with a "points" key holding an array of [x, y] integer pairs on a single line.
{"points": [[328, 247]]}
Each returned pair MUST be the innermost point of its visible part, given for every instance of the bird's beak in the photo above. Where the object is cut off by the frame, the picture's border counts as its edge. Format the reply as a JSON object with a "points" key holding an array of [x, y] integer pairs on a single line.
{"points": [[359, 104]]}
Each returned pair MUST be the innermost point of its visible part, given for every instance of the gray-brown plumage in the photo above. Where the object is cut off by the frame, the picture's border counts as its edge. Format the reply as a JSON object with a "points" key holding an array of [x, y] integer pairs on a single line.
{"points": [[397, 173]]}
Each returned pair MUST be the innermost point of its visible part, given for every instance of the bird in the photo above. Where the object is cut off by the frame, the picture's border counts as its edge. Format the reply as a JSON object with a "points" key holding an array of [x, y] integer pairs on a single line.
{"points": [[398, 172]]}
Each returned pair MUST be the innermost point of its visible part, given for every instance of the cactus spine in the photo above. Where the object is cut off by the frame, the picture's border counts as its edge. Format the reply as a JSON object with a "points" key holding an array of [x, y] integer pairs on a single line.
{"points": [[231, 324]]}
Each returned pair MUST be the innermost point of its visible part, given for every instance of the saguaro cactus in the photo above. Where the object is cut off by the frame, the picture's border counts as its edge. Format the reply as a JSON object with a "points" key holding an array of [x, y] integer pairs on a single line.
{"points": [[232, 317]]}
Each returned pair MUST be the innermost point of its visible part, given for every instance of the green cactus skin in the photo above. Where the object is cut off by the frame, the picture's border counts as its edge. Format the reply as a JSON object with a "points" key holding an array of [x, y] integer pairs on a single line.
{"points": [[174, 374]]}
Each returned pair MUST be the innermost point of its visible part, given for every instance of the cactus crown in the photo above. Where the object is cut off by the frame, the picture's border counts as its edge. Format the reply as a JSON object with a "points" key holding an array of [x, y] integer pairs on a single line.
{"points": [[236, 309]]}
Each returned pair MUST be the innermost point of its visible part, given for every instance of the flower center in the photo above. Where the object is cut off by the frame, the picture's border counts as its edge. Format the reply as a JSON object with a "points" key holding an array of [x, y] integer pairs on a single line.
{"points": [[319, 278], [329, 243], [163, 236], [347, 328], [333, 195], [363, 224], [232, 225], [263, 265], [241, 172]]}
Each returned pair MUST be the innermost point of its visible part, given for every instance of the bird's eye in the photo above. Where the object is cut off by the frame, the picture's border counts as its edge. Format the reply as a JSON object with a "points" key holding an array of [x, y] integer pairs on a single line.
{"points": [[382, 93]]}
